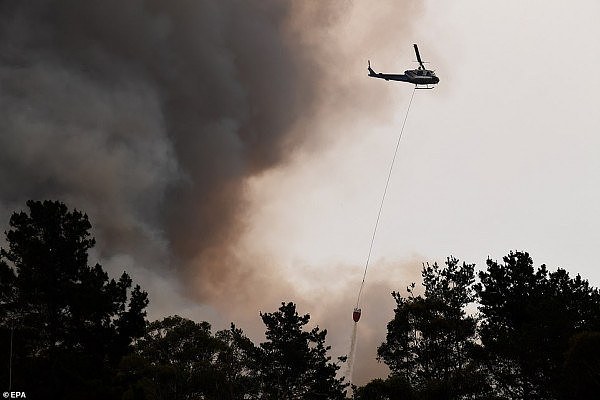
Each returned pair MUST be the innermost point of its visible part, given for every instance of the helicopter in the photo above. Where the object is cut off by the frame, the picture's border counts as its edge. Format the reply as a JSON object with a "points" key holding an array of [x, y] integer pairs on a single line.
{"points": [[421, 77]]}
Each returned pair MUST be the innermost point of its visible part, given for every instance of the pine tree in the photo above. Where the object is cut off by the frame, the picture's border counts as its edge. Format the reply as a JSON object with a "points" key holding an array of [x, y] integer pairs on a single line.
{"points": [[293, 363], [72, 323], [431, 339]]}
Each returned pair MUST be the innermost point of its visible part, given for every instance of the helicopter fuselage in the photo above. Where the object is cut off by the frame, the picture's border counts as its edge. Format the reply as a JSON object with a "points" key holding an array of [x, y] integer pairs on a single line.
{"points": [[415, 76], [421, 76]]}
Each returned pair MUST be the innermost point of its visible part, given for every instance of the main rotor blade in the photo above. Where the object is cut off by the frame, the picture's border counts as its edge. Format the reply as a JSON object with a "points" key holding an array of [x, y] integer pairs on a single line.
{"points": [[418, 56]]}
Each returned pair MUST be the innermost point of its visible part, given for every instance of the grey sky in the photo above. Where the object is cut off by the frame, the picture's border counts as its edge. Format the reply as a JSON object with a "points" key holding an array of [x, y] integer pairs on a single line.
{"points": [[503, 155]]}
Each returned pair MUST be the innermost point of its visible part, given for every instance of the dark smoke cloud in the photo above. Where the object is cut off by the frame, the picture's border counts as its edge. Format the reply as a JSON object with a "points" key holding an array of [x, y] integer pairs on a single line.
{"points": [[151, 115]]}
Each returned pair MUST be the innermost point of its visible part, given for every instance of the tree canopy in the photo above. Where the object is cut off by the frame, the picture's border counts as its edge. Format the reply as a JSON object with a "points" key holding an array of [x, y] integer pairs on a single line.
{"points": [[181, 359], [71, 323], [431, 340], [293, 362], [528, 318], [517, 333], [510, 331]]}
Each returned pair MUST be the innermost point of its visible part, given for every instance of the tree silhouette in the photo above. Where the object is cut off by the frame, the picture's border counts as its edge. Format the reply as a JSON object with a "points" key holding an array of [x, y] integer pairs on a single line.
{"points": [[392, 388], [237, 366], [72, 323], [181, 359], [431, 340], [535, 336], [75, 333], [582, 367], [293, 363], [528, 319]]}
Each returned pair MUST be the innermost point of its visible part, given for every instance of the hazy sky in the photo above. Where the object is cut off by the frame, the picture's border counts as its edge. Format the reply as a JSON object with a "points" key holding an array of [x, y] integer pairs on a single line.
{"points": [[503, 155], [232, 155]]}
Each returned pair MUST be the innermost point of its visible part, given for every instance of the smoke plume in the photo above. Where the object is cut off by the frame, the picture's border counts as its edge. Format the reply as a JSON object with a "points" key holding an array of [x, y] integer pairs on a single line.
{"points": [[149, 115], [152, 115]]}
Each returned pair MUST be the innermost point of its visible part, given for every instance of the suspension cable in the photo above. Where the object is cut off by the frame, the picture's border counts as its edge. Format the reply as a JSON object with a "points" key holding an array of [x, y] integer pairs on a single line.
{"points": [[387, 183]]}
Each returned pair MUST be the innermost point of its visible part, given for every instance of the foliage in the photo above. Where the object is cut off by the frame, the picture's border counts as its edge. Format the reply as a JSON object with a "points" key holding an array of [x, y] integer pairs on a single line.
{"points": [[78, 334], [293, 363], [536, 335], [431, 340], [181, 359], [392, 388], [71, 323], [581, 368], [528, 317]]}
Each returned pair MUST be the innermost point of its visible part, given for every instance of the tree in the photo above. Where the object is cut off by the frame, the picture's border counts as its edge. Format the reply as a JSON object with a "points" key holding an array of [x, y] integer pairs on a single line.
{"points": [[528, 319], [237, 365], [180, 353], [581, 369], [431, 340], [392, 388], [72, 323], [181, 359], [293, 363]]}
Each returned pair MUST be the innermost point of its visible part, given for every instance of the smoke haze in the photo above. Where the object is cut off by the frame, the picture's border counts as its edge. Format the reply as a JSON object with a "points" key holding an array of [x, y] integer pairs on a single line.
{"points": [[152, 116]]}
